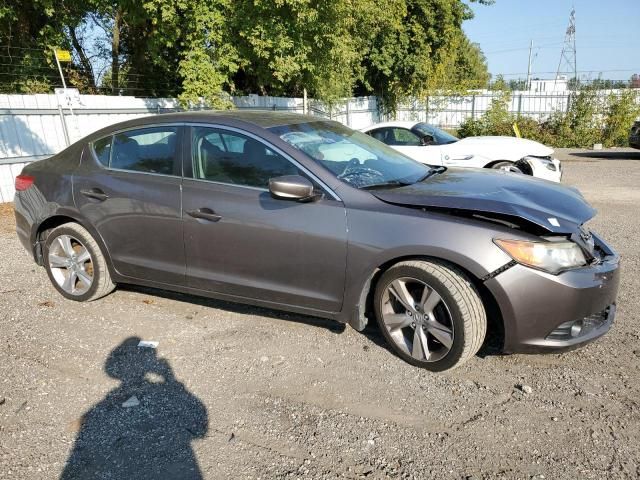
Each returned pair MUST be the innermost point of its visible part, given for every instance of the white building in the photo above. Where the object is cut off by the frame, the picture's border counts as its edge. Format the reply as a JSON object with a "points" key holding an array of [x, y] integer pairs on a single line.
{"points": [[560, 84]]}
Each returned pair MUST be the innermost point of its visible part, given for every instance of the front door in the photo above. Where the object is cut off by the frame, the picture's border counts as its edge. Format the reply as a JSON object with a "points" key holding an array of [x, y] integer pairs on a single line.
{"points": [[240, 241], [128, 187]]}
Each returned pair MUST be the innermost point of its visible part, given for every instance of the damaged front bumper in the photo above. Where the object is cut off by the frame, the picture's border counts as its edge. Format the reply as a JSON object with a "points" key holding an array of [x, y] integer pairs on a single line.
{"points": [[547, 168], [544, 312]]}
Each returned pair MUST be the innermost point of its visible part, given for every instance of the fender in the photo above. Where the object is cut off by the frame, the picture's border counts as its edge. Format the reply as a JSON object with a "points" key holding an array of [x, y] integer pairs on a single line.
{"points": [[358, 290], [77, 217]]}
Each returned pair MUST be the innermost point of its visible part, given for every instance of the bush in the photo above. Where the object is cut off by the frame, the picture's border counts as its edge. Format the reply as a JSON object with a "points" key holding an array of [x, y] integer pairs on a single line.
{"points": [[495, 121], [589, 119], [621, 112], [580, 125]]}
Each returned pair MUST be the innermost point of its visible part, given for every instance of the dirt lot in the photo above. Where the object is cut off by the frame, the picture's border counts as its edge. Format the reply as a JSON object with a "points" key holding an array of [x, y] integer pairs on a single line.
{"points": [[243, 392]]}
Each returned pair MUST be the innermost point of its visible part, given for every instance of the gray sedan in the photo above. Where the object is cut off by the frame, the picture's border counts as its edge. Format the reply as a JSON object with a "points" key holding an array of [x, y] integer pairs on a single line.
{"points": [[297, 213]]}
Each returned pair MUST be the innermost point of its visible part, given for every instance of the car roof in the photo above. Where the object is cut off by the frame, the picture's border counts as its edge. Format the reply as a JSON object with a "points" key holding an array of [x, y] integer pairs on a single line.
{"points": [[261, 118], [255, 118], [395, 123]]}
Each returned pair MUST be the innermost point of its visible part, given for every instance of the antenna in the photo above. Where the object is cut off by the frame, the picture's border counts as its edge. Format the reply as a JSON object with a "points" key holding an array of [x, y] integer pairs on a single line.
{"points": [[568, 65]]}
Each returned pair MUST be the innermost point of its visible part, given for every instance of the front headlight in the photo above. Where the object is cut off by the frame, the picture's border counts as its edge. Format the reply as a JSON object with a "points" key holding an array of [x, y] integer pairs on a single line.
{"points": [[552, 256], [545, 161]]}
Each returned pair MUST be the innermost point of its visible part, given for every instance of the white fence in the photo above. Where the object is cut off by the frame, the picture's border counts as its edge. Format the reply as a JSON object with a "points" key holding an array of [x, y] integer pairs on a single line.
{"points": [[34, 126]]}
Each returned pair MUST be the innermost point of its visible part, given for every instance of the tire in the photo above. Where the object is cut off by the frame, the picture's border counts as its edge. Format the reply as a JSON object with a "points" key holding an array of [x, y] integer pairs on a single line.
{"points": [[506, 165], [71, 257], [448, 315]]}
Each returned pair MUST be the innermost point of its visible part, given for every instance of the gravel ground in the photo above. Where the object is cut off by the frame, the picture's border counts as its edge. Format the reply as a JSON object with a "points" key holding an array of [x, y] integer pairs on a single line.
{"points": [[243, 392]]}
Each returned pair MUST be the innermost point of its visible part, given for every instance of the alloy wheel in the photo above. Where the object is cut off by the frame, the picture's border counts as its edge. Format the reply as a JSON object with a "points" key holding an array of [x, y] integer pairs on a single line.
{"points": [[418, 319], [71, 265], [507, 167]]}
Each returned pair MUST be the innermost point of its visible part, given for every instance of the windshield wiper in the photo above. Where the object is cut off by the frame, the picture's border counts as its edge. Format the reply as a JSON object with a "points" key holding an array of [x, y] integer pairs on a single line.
{"points": [[390, 183], [432, 172]]}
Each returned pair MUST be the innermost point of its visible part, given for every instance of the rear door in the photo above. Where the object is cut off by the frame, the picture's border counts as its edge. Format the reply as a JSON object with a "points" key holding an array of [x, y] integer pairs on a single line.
{"points": [[128, 187], [240, 241]]}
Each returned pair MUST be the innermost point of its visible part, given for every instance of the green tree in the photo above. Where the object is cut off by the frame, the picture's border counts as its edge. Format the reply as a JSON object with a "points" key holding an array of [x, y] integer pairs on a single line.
{"points": [[206, 50], [470, 67]]}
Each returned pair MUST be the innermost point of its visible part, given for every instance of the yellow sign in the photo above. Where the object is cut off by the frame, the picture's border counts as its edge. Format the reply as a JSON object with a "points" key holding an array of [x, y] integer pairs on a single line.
{"points": [[516, 130], [63, 55]]}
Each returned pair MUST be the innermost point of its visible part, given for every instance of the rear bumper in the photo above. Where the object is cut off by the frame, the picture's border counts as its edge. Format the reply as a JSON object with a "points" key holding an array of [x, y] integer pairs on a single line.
{"points": [[23, 226], [538, 308]]}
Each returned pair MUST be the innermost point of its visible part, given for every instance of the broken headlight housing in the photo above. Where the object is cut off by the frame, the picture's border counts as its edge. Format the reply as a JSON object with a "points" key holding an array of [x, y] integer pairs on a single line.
{"points": [[545, 161], [550, 256]]}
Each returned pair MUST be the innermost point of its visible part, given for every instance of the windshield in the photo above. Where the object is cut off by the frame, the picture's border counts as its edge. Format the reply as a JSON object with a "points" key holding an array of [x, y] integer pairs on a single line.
{"points": [[440, 136], [352, 156]]}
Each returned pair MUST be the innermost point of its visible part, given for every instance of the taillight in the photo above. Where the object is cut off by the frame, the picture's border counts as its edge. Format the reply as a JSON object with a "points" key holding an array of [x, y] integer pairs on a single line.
{"points": [[23, 182]]}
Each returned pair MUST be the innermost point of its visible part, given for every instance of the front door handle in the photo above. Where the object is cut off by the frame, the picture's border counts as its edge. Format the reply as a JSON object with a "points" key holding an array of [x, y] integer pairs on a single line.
{"points": [[95, 193], [204, 214]]}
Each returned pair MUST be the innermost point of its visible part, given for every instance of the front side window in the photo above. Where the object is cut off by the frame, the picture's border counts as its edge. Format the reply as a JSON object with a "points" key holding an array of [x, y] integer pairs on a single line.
{"points": [[396, 136], [404, 137], [150, 150], [440, 137], [352, 156], [233, 158]]}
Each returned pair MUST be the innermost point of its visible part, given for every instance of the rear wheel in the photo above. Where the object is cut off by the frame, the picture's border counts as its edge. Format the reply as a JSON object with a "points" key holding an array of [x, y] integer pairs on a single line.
{"points": [[430, 313], [75, 264]]}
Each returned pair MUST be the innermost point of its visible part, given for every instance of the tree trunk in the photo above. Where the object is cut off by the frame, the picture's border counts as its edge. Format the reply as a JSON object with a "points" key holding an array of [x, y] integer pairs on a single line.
{"points": [[85, 64], [115, 53]]}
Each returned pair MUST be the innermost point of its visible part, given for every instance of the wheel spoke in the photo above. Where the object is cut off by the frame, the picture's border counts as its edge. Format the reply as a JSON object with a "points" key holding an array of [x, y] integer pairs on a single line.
{"points": [[65, 243], [420, 349], [69, 284], [84, 277], [398, 289], [441, 332], [399, 338], [56, 261], [83, 255], [396, 320], [429, 300]]}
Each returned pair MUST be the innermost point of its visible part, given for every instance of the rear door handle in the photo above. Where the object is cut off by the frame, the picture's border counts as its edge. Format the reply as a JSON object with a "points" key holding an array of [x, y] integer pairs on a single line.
{"points": [[95, 193], [204, 214]]}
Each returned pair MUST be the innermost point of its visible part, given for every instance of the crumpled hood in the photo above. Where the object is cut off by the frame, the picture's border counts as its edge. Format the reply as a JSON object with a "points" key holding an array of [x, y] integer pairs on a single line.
{"points": [[551, 206], [500, 148]]}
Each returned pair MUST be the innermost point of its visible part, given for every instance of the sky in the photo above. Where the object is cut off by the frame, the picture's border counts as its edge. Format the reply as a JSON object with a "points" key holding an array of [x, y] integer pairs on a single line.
{"points": [[607, 36]]}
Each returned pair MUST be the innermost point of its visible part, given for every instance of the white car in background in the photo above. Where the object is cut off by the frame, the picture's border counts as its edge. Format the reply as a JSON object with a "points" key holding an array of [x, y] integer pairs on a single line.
{"points": [[428, 144]]}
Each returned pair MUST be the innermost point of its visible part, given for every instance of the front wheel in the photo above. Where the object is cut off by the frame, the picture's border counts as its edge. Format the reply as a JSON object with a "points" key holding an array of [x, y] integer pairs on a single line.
{"points": [[430, 314], [75, 264], [506, 166]]}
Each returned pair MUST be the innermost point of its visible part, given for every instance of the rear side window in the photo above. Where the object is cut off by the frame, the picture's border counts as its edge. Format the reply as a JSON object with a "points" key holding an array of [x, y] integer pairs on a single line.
{"points": [[150, 150], [102, 149]]}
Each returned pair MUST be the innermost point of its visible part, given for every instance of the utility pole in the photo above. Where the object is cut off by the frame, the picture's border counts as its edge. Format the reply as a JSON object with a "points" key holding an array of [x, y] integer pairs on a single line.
{"points": [[568, 63], [529, 68]]}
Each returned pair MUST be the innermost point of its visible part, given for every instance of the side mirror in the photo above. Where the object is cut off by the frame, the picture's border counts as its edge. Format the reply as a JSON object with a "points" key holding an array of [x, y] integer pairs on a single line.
{"points": [[292, 187], [427, 140]]}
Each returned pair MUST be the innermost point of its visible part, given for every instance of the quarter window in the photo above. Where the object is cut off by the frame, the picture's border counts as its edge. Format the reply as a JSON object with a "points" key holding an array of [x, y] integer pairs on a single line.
{"points": [[151, 150], [102, 149], [225, 157]]}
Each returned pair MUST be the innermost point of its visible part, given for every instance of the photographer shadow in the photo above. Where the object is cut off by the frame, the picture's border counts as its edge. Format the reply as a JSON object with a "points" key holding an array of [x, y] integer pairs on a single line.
{"points": [[150, 435]]}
